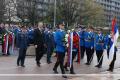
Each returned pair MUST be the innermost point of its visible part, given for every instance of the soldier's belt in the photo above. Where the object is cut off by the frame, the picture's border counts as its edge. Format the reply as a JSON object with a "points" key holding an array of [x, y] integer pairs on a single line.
{"points": [[99, 43], [81, 38], [88, 40]]}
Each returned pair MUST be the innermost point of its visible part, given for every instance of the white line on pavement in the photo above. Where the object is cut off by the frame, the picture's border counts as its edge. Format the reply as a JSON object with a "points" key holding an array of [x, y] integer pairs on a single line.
{"points": [[44, 75]]}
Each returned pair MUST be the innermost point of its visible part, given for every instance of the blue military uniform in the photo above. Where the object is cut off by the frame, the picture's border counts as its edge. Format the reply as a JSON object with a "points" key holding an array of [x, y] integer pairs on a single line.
{"points": [[59, 38], [22, 44], [99, 46], [31, 35], [89, 38], [59, 41], [50, 43], [82, 43]]}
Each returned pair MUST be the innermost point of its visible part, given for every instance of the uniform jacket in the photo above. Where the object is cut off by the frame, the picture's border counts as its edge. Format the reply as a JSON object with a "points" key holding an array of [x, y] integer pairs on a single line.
{"points": [[99, 42], [82, 36], [49, 39], [22, 40], [31, 35], [59, 38], [88, 39]]}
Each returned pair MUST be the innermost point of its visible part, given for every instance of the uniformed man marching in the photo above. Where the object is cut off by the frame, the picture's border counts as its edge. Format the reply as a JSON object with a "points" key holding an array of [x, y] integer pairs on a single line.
{"points": [[60, 48], [50, 44], [99, 46], [22, 44], [82, 42], [88, 44]]}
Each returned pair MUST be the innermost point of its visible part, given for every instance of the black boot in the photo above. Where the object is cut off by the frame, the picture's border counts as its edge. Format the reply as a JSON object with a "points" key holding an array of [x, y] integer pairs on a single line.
{"points": [[55, 71]]}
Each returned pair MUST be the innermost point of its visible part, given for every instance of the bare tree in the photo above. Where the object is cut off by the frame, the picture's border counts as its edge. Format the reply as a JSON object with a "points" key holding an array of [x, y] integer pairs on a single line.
{"points": [[27, 11], [2, 10], [10, 10], [77, 11]]}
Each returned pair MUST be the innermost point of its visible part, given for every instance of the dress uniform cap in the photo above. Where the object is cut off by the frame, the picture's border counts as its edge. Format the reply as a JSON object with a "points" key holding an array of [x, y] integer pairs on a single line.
{"points": [[61, 22]]}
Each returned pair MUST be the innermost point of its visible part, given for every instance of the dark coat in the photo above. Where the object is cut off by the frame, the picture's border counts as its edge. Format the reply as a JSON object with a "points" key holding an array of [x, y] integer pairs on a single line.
{"points": [[39, 37]]}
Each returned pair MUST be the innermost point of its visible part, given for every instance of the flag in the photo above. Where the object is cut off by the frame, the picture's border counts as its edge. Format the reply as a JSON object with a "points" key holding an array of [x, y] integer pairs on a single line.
{"points": [[115, 36], [70, 42], [5, 44], [13, 40], [70, 49]]}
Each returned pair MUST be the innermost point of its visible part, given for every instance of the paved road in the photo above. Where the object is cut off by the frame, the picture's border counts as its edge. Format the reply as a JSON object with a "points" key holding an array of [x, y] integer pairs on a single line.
{"points": [[9, 70]]}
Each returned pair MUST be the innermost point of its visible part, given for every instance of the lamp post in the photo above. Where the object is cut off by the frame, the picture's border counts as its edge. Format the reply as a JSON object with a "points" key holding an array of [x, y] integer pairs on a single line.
{"points": [[54, 13]]}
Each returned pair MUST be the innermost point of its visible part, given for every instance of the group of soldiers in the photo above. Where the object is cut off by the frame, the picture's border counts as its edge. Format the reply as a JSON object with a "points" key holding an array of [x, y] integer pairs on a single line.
{"points": [[46, 40]]}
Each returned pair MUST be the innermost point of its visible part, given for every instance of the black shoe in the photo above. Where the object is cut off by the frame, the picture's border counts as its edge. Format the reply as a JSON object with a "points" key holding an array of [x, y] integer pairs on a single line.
{"points": [[96, 65], [87, 63], [110, 70], [22, 65], [72, 72], [66, 69], [55, 71], [38, 65], [76, 61], [64, 76], [49, 62], [18, 65]]}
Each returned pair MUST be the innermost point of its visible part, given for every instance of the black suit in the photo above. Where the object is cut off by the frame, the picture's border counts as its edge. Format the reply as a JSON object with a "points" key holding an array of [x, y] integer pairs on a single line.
{"points": [[39, 41]]}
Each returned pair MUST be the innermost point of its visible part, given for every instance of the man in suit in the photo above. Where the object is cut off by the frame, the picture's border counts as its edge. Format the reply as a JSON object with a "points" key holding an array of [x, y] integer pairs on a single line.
{"points": [[22, 44], [39, 42]]}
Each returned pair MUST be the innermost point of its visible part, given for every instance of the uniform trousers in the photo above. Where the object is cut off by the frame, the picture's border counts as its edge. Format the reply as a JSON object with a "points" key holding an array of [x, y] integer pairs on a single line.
{"points": [[99, 54], [39, 53], [89, 55], [111, 66], [60, 61], [21, 57]]}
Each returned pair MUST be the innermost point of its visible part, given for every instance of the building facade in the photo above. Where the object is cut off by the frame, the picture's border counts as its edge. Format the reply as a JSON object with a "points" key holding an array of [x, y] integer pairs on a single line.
{"points": [[111, 9]]}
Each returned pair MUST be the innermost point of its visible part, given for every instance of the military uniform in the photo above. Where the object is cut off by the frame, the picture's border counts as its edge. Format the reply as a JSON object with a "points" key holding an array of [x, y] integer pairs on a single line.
{"points": [[82, 43], [99, 46], [50, 44], [22, 44], [60, 49], [31, 35], [88, 46]]}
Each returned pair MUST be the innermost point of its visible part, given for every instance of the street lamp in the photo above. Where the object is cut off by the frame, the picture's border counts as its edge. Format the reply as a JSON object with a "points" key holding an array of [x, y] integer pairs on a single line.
{"points": [[54, 13]]}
